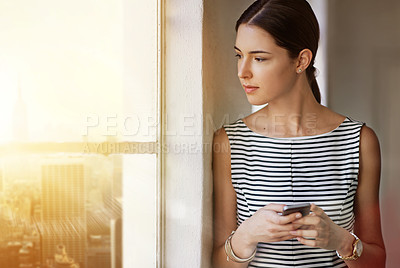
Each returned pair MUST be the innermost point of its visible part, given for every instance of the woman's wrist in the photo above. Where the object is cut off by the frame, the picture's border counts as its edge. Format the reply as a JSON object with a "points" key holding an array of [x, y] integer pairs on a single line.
{"points": [[241, 244], [346, 246]]}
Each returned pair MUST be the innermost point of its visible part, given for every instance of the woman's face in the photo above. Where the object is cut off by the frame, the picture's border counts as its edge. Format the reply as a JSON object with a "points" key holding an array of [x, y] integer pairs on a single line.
{"points": [[265, 70]]}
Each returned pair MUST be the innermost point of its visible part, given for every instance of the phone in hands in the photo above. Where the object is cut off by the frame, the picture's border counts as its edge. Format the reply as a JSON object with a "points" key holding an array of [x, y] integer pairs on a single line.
{"points": [[303, 208]]}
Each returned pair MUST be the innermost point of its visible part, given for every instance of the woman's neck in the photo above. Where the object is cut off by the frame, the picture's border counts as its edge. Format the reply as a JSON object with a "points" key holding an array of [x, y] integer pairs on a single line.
{"points": [[296, 114]]}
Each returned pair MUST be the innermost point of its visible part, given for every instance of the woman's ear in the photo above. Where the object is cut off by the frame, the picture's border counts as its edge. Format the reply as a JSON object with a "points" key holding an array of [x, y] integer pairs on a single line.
{"points": [[304, 59]]}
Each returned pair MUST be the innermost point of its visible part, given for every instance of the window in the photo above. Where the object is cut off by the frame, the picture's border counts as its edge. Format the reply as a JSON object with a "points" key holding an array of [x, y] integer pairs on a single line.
{"points": [[80, 98]]}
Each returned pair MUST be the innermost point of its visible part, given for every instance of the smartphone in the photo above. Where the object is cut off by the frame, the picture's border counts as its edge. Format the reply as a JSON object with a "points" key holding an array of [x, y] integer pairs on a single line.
{"points": [[303, 208]]}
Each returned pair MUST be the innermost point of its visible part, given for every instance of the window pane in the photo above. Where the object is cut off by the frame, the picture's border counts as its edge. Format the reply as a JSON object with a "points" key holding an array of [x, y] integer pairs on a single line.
{"points": [[68, 70]]}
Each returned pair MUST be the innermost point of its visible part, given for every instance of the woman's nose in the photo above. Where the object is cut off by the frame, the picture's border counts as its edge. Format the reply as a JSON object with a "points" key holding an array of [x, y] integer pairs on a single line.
{"points": [[244, 69]]}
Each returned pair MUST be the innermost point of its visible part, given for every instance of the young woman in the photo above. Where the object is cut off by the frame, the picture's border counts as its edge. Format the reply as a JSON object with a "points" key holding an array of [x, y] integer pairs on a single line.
{"points": [[292, 151]]}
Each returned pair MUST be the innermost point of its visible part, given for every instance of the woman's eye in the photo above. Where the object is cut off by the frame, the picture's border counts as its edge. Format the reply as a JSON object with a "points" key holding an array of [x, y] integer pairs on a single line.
{"points": [[238, 56], [260, 59]]}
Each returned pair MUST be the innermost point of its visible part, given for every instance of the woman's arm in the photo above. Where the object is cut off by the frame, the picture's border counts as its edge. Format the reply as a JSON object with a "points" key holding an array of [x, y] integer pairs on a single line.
{"points": [[224, 200], [367, 215], [368, 221]]}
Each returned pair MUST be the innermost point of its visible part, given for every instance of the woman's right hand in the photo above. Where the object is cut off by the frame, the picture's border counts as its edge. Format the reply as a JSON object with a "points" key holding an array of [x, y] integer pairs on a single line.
{"points": [[266, 225]]}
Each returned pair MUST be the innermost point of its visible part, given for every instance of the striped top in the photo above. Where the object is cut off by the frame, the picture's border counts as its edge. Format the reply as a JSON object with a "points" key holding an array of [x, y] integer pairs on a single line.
{"points": [[320, 169]]}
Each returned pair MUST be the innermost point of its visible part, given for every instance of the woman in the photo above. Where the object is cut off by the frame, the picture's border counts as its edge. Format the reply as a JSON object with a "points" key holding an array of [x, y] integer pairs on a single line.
{"points": [[292, 151]]}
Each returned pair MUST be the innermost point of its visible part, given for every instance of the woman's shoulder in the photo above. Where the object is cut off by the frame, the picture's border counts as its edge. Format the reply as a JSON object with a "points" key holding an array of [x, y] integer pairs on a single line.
{"points": [[221, 143], [220, 135], [228, 131], [233, 124], [369, 142], [331, 118]]}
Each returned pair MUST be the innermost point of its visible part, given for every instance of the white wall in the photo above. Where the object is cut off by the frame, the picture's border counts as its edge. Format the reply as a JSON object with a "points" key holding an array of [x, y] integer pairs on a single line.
{"points": [[202, 93], [364, 79], [184, 111]]}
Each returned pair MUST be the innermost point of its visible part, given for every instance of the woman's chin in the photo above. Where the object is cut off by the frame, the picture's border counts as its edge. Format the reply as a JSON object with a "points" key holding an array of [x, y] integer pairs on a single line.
{"points": [[256, 102]]}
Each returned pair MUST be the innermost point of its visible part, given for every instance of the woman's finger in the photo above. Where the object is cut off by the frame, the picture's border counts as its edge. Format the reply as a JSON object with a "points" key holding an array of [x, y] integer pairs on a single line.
{"points": [[278, 219], [305, 233], [309, 220], [307, 242], [279, 228], [282, 238]]}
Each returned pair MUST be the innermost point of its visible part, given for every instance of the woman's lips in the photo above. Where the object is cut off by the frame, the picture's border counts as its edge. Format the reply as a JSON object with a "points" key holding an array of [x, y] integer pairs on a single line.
{"points": [[249, 89]]}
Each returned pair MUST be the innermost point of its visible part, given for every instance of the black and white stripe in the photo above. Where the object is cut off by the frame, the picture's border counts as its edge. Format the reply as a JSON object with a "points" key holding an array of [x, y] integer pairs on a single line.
{"points": [[320, 169]]}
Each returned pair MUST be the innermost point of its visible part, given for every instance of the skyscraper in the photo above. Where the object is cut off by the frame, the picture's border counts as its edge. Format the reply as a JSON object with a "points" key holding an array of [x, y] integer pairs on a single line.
{"points": [[63, 214], [116, 243]]}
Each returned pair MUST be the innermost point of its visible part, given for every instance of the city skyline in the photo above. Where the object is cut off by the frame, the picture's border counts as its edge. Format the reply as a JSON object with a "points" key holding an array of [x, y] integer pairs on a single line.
{"points": [[58, 210], [60, 201]]}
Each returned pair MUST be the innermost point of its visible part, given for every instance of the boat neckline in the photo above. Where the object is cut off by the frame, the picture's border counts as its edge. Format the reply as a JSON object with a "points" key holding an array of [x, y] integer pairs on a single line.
{"points": [[297, 137]]}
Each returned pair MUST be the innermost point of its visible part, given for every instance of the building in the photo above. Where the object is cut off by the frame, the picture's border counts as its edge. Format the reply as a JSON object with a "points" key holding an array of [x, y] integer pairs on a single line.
{"points": [[116, 243], [63, 210], [99, 251], [26, 256]]}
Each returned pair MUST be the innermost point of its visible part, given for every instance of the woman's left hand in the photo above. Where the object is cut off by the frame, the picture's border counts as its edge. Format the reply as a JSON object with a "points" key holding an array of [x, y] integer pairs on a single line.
{"points": [[320, 231]]}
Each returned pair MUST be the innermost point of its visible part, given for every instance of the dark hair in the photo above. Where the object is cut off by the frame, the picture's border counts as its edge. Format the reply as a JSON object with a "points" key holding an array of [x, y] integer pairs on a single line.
{"points": [[293, 25]]}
